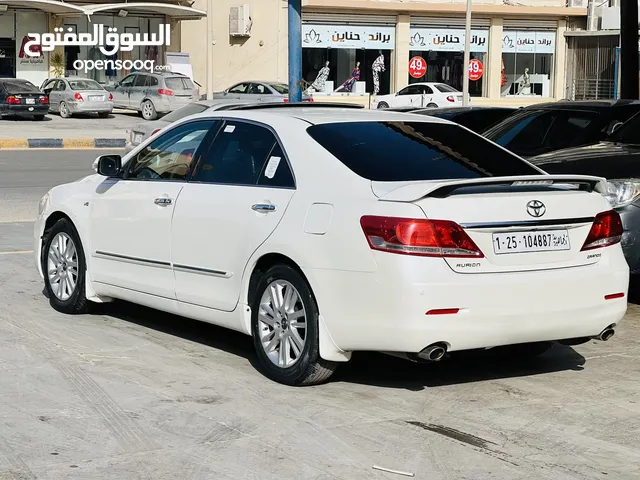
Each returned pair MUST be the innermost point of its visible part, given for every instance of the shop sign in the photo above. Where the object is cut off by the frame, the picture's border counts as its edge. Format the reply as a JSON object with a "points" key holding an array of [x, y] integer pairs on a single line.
{"points": [[348, 36], [30, 53], [447, 40], [476, 69], [417, 67], [528, 42]]}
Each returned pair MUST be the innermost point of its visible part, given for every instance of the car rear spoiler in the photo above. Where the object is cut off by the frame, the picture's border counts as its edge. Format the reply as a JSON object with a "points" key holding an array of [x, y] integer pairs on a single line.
{"points": [[413, 191]]}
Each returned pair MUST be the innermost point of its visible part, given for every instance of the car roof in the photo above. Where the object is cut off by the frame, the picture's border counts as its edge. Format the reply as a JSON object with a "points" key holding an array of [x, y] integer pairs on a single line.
{"points": [[319, 115], [581, 104], [464, 109]]}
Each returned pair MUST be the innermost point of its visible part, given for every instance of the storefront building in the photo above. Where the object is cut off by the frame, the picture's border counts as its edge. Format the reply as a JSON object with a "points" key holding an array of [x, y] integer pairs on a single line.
{"points": [[519, 49], [19, 18]]}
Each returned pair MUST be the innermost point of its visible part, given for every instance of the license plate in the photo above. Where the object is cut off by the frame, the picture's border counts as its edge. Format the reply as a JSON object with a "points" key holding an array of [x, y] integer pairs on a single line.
{"points": [[30, 101], [96, 98], [525, 242], [137, 138]]}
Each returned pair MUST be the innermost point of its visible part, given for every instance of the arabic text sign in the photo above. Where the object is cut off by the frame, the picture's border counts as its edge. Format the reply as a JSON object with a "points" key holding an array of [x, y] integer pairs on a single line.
{"points": [[107, 39], [528, 42], [417, 67], [447, 40], [476, 69], [348, 36]]}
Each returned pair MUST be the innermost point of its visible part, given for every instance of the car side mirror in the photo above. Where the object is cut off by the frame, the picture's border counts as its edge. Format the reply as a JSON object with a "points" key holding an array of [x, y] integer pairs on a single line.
{"points": [[108, 165]]}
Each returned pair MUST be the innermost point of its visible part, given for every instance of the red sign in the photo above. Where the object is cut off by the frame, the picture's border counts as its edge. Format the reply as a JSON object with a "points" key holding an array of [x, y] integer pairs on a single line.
{"points": [[417, 67], [475, 70]]}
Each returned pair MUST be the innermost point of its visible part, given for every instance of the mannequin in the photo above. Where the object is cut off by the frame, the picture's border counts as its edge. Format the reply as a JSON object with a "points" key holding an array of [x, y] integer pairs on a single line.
{"points": [[377, 68], [319, 83], [350, 82], [525, 84]]}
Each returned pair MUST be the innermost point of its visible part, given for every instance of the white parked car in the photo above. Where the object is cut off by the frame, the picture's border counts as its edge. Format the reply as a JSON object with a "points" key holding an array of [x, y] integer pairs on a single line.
{"points": [[427, 95], [322, 231]]}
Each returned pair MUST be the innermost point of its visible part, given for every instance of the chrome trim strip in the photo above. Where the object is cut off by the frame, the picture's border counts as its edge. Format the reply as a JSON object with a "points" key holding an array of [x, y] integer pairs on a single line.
{"points": [[134, 260], [529, 223], [202, 271]]}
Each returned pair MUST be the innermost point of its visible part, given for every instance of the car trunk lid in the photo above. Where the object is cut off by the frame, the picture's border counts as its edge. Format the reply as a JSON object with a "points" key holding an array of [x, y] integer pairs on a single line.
{"points": [[519, 223]]}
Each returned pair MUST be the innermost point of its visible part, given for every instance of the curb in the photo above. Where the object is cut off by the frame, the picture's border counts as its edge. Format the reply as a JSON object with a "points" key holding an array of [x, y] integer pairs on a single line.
{"points": [[62, 143]]}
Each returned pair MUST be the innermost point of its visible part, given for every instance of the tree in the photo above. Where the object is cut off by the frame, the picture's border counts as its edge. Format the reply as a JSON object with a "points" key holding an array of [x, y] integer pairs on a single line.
{"points": [[629, 49]]}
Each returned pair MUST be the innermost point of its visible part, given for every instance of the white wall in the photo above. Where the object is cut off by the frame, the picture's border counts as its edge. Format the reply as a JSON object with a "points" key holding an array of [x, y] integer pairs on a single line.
{"points": [[34, 69]]}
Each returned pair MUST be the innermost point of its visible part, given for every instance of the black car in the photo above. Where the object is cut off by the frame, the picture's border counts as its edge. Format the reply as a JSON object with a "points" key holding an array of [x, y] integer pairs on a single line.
{"points": [[547, 127], [22, 98], [477, 119], [618, 160]]}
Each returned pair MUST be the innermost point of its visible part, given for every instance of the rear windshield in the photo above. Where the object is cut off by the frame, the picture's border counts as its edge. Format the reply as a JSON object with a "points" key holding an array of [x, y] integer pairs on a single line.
{"points": [[19, 86], [445, 88], [190, 109], [84, 85], [179, 83], [406, 151], [281, 88]]}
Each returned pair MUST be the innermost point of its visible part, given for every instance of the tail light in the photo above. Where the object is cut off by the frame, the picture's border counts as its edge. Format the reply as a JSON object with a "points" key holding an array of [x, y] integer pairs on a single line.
{"points": [[451, 99], [606, 230], [285, 100], [78, 97], [110, 96], [410, 236], [44, 100], [165, 91], [310, 100], [11, 100]]}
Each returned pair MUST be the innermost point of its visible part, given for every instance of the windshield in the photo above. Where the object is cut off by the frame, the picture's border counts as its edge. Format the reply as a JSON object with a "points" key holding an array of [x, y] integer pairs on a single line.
{"points": [[179, 83], [84, 85], [19, 86], [280, 88], [190, 109], [407, 151], [628, 133]]}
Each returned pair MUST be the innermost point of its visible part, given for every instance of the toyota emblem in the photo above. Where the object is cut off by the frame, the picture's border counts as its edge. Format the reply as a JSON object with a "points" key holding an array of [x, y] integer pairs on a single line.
{"points": [[536, 208]]}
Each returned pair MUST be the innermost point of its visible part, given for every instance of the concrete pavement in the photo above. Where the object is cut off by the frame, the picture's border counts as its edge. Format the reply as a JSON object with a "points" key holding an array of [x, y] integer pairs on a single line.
{"points": [[132, 393]]}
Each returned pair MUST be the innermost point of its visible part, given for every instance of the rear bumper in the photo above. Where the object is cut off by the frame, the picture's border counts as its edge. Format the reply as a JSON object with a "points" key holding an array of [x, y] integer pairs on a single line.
{"points": [[370, 311], [90, 107], [25, 110]]}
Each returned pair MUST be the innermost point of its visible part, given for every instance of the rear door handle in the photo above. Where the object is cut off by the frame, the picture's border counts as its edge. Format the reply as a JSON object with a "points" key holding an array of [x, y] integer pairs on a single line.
{"points": [[263, 207], [163, 201]]}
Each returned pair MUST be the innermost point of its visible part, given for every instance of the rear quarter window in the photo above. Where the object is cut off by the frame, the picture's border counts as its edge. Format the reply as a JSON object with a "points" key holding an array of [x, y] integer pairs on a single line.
{"points": [[408, 151]]}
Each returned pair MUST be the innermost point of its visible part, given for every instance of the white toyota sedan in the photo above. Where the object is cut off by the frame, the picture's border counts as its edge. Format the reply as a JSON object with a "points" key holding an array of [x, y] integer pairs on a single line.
{"points": [[421, 95], [324, 231]]}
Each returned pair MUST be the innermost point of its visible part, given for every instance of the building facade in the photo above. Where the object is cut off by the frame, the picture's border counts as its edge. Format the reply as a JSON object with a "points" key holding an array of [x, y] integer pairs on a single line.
{"points": [[520, 48]]}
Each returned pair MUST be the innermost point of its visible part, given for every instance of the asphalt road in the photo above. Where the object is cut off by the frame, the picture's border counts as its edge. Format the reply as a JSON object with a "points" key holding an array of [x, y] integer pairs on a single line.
{"points": [[132, 393]]}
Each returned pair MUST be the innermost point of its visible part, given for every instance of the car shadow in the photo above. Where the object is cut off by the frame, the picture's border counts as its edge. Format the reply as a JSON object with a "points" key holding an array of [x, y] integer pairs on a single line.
{"points": [[634, 289], [365, 368], [18, 118]]}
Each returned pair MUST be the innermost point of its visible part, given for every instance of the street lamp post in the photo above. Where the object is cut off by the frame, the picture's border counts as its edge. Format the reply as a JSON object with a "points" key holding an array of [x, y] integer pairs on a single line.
{"points": [[295, 50], [467, 56]]}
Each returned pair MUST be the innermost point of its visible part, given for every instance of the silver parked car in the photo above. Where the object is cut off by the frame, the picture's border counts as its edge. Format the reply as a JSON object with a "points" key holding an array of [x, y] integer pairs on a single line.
{"points": [[142, 131], [154, 93], [77, 95], [257, 91]]}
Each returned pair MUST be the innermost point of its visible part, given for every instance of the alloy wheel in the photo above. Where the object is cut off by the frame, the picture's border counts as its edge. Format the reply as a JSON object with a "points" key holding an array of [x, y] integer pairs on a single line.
{"points": [[62, 266], [282, 323]]}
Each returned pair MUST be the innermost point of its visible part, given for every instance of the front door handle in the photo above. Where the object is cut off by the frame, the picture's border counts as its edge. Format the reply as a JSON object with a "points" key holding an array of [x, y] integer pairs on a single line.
{"points": [[263, 207], [163, 201]]}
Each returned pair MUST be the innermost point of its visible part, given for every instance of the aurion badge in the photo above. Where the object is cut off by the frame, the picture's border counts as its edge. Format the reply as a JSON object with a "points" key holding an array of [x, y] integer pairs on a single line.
{"points": [[536, 208]]}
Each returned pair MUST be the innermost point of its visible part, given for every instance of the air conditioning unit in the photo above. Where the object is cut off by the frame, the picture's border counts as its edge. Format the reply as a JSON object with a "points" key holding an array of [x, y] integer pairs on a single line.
{"points": [[239, 21], [578, 3]]}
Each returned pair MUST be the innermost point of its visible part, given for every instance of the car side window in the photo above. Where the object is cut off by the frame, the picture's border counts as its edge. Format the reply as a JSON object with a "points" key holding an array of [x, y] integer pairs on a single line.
{"points": [[240, 88], [151, 81], [128, 81], [140, 80], [276, 171], [172, 155], [425, 90], [258, 89], [405, 91], [61, 85], [49, 85], [239, 154]]}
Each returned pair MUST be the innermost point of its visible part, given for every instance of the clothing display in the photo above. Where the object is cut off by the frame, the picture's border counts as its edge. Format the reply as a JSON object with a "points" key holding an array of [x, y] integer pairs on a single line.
{"points": [[319, 84], [111, 72], [348, 84], [377, 68], [97, 74], [124, 56], [151, 53], [71, 53]]}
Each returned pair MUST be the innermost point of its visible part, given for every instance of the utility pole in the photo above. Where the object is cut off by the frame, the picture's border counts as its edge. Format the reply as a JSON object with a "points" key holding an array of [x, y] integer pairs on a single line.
{"points": [[467, 56], [295, 50], [629, 49]]}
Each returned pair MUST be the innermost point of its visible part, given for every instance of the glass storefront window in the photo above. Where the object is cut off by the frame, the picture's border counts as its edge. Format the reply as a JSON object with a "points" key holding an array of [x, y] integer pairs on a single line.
{"points": [[346, 47], [527, 63], [443, 52]]}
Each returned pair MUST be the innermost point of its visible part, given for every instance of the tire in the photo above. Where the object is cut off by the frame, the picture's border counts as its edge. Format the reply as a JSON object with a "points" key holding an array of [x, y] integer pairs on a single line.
{"points": [[38, 118], [64, 110], [63, 242], [432, 105], [521, 350], [307, 368], [148, 110], [103, 114], [383, 105]]}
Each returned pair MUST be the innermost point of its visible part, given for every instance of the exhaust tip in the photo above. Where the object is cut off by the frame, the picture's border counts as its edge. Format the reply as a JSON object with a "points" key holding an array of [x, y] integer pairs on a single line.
{"points": [[433, 353], [606, 334]]}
